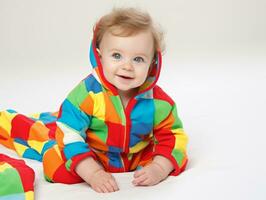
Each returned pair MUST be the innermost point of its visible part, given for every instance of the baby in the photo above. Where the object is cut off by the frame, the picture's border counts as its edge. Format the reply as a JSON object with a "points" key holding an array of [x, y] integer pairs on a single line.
{"points": [[117, 119]]}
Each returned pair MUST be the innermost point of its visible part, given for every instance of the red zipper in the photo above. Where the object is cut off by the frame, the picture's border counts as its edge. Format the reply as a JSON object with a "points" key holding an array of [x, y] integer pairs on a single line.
{"points": [[127, 112]]}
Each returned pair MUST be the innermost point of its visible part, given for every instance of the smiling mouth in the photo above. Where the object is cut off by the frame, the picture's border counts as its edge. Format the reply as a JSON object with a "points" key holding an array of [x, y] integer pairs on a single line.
{"points": [[125, 77]]}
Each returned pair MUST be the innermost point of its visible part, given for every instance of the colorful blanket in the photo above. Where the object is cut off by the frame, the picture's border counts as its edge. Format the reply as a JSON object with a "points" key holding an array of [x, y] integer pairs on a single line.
{"points": [[29, 136], [16, 179]]}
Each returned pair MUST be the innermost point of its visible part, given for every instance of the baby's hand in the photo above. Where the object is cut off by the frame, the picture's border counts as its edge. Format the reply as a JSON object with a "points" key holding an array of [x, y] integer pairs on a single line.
{"points": [[103, 182], [149, 175], [95, 176]]}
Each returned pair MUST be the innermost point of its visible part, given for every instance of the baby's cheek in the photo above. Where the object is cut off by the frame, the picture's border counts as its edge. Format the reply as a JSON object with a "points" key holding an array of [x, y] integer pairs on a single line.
{"points": [[142, 78]]}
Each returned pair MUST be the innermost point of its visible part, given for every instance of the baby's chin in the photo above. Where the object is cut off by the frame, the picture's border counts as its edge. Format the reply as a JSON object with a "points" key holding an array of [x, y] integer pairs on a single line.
{"points": [[127, 89], [124, 86]]}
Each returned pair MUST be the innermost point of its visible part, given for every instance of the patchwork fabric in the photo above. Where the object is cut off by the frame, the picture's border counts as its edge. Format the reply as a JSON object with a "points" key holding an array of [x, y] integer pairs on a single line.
{"points": [[16, 179], [30, 136]]}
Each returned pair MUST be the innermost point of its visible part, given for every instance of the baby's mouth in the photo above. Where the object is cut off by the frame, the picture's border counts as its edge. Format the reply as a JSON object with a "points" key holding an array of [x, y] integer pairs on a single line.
{"points": [[125, 77]]}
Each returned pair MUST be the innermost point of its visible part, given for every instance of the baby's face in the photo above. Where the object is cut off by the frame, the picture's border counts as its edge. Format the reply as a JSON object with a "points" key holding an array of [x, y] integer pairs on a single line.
{"points": [[126, 60]]}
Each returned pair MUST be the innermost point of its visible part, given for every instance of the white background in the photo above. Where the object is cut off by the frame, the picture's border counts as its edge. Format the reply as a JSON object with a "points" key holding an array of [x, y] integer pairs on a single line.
{"points": [[214, 68]]}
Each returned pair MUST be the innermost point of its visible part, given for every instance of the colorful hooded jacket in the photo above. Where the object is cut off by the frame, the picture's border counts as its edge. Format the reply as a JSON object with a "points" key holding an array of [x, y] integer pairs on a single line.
{"points": [[92, 118]]}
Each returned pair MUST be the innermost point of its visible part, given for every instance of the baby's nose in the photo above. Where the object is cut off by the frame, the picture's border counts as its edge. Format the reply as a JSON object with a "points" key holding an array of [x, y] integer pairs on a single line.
{"points": [[128, 65]]}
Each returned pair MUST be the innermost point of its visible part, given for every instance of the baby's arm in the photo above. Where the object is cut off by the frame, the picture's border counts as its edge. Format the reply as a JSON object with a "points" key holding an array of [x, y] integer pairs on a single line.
{"points": [[169, 151], [153, 173], [72, 123], [93, 173]]}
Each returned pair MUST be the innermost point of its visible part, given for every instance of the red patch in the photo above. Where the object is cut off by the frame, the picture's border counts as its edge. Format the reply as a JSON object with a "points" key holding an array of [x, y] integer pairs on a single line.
{"points": [[158, 93], [115, 169], [116, 135], [21, 127], [26, 174], [52, 128], [63, 176]]}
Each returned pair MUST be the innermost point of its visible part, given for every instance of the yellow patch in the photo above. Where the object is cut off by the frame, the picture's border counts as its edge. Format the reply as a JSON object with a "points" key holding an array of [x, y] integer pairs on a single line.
{"points": [[56, 148], [20, 149], [5, 120], [138, 147], [181, 139], [38, 146], [4, 166], [29, 195], [99, 105]]}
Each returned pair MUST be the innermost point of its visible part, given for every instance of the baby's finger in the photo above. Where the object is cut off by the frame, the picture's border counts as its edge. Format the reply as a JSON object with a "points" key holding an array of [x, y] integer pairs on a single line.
{"points": [[145, 182], [98, 189], [138, 173], [114, 184], [139, 180], [104, 189], [108, 186]]}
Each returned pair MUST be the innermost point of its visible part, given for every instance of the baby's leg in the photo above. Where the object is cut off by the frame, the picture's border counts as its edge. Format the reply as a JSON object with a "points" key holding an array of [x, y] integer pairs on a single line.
{"points": [[54, 166]]}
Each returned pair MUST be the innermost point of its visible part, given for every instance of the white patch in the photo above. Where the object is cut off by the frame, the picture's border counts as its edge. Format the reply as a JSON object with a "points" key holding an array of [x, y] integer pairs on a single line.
{"points": [[70, 135]]}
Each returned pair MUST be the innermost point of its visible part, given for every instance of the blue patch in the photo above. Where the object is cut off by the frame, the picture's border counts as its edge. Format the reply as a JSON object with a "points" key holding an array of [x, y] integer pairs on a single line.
{"points": [[134, 139], [48, 145], [47, 117], [141, 128], [75, 148], [92, 84], [143, 112], [145, 95], [139, 167], [115, 160], [92, 57], [11, 111], [73, 117], [17, 196], [21, 141], [142, 120], [32, 154], [114, 149]]}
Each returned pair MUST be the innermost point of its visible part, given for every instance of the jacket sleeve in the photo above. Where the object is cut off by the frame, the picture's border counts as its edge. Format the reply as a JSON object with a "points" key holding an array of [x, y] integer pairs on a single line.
{"points": [[72, 123], [170, 139]]}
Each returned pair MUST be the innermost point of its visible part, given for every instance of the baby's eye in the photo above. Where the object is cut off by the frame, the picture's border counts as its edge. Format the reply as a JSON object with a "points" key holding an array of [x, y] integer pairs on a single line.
{"points": [[139, 59], [116, 56]]}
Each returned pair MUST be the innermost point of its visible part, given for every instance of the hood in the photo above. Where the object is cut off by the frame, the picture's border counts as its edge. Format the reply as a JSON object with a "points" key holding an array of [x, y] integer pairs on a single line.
{"points": [[151, 79]]}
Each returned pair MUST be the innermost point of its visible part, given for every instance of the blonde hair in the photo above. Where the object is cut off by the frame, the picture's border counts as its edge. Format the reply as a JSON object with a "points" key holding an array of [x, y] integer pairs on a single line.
{"points": [[126, 22]]}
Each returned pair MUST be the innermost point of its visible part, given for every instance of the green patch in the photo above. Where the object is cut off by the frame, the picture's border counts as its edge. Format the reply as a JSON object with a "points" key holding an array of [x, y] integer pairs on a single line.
{"points": [[10, 182], [178, 155], [68, 164], [99, 128], [78, 94], [177, 122], [48, 179], [162, 110]]}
